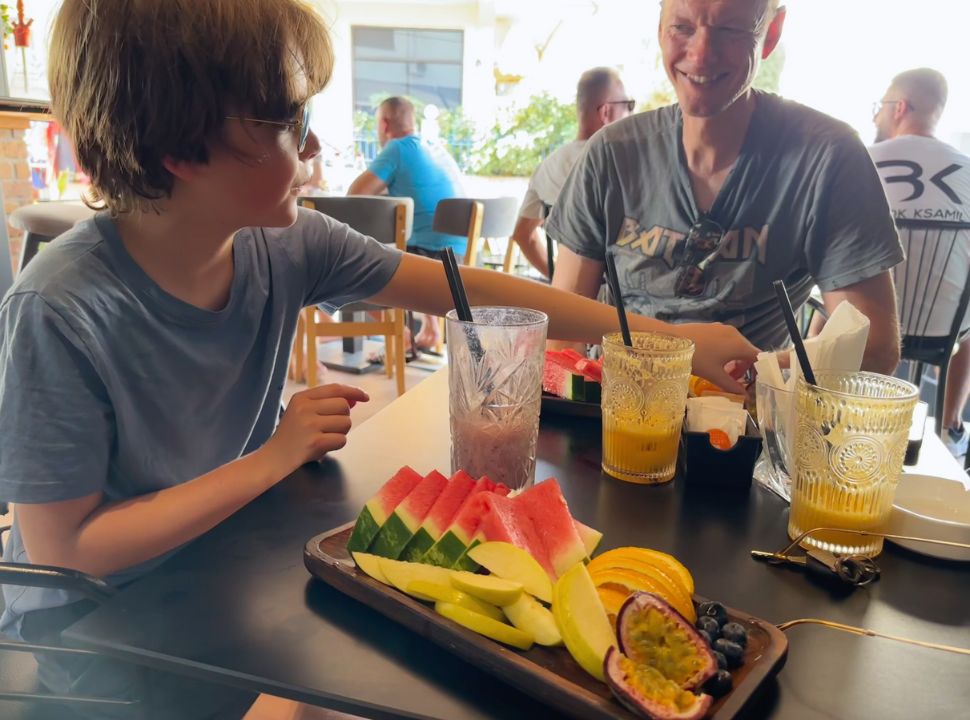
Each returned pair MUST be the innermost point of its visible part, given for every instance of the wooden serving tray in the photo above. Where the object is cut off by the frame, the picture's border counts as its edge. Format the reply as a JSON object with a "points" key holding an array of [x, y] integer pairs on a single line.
{"points": [[554, 405], [548, 674]]}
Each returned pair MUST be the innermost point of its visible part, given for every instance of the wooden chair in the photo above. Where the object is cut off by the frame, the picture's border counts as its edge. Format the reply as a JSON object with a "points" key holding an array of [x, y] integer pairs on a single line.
{"points": [[476, 219], [937, 253], [44, 221], [388, 220]]}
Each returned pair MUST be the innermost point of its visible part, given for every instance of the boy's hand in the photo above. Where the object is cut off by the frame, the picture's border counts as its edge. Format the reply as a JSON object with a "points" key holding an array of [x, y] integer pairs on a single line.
{"points": [[715, 346], [315, 422]]}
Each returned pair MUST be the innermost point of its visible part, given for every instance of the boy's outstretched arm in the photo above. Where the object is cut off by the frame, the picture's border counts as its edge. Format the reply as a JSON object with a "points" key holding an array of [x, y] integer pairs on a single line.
{"points": [[86, 535], [420, 284]]}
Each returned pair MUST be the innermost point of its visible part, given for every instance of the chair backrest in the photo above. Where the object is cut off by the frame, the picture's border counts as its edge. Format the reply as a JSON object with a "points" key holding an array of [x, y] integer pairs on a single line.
{"points": [[386, 219], [50, 219], [933, 283], [452, 216]]}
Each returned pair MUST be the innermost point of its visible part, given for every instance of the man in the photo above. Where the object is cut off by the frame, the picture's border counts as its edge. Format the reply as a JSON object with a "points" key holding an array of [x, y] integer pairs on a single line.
{"points": [[926, 178], [407, 166], [600, 100], [703, 204]]}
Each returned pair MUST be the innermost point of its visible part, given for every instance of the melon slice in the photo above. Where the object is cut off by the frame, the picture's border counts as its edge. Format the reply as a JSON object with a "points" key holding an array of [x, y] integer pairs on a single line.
{"points": [[547, 508], [507, 521], [455, 540], [560, 378], [439, 517], [378, 508], [407, 517], [590, 537]]}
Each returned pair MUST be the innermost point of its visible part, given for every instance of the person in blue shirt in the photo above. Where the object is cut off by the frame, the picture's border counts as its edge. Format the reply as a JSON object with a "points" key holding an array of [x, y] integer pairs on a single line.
{"points": [[408, 166]]}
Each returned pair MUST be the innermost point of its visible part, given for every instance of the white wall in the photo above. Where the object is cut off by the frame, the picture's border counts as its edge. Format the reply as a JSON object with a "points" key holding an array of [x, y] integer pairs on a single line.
{"points": [[333, 111]]}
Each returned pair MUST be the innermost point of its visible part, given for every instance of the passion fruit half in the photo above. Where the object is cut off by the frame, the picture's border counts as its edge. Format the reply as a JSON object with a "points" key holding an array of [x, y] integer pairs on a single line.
{"points": [[650, 632], [645, 691]]}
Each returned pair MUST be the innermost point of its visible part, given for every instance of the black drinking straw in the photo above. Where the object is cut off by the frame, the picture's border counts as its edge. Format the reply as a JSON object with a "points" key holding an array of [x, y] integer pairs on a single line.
{"points": [[614, 281], [458, 294], [789, 315]]}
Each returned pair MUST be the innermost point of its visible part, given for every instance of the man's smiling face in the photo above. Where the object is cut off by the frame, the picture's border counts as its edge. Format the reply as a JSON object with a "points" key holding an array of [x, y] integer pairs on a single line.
{"points": [[712, 50]]}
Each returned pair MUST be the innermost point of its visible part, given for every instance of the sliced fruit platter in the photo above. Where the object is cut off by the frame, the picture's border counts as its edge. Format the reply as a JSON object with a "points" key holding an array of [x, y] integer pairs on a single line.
{"points": [[512, 582], [571, 383]]}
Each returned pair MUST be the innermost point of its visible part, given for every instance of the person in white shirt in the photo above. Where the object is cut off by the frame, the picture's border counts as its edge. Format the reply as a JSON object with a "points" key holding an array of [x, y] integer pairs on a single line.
{"points": [[600, 100], [925, 178]]}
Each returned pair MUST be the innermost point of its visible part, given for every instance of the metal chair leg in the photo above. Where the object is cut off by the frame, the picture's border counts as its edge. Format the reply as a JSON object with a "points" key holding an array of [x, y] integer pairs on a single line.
{"points": [[940, 396]]}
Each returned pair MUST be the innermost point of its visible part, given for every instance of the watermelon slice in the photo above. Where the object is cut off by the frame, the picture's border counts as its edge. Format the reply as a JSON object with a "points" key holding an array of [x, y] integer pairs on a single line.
{"points": [[378, 508], [439, 517], [590, 537], [507, 521], [455, 540], [407, 517], [547, 508], [559, 379]]}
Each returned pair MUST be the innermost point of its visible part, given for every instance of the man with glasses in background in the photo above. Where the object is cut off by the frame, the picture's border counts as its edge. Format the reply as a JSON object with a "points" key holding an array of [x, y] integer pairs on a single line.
{"points": [[703, 204], [600, 100], [927, 179]]}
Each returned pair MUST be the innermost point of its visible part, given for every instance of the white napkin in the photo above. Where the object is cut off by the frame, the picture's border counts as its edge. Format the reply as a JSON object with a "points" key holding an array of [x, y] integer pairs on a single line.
{"points": [[716, 413], [839, 346]]}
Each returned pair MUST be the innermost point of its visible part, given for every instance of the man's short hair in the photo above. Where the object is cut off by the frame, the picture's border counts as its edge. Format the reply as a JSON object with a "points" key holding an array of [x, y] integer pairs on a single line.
{"points": [[399, 113], [924, 88], [134, 83], [593, 87]]}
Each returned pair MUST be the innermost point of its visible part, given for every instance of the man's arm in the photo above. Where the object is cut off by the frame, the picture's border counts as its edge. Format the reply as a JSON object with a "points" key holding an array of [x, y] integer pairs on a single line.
{"points": [[529, 239], [876, 299], [367, 183]]}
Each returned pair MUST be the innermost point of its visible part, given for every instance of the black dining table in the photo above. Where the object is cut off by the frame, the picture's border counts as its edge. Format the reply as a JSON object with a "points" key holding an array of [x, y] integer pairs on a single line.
{"points": [[238, 607]]}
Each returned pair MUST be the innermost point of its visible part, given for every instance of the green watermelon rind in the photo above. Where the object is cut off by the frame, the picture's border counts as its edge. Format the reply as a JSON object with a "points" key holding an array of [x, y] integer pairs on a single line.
{"points": [[465, 562], [392, 537], [365, 530], [446, 552], [417, 546]]}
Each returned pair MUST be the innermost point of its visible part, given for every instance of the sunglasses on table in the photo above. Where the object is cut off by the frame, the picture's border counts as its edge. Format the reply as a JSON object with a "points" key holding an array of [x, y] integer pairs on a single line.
{"points": [[303, 124], [701, 248], [631, 105]]}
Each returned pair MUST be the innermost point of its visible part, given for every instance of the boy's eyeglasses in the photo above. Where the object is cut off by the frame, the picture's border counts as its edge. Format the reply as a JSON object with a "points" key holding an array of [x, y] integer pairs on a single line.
{"points": [[701, 248], [303, 123], [631, 105]]}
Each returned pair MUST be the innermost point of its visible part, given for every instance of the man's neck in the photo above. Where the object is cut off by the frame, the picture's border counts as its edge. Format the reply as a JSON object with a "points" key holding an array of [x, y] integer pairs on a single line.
{"points": [[186, 251], [915, 129], [712, 144]]}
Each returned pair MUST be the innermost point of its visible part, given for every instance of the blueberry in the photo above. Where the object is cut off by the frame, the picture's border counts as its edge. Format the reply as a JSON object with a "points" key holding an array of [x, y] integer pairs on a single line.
{"points": [[705, 637], [735, 632], [710, 626], [722, 662], [714, 610], [732, 651], [720, 684]]}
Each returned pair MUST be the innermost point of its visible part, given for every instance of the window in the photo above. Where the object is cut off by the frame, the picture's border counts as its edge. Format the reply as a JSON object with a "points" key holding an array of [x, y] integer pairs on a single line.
{"points": [[422, 64]]}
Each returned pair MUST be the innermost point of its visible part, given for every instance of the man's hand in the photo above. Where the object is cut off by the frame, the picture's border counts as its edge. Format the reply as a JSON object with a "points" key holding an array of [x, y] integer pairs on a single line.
{"points": [[721, 353], [316, 422]]}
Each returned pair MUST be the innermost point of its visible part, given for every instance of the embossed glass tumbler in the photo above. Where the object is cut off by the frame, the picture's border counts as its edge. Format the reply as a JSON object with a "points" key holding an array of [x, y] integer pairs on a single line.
{"points": [[644, 397], [495, 387], [850, 439]]}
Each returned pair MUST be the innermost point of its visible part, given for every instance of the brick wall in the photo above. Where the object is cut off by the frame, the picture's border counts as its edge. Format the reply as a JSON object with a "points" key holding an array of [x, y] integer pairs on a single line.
{"points": [[15, 176]]}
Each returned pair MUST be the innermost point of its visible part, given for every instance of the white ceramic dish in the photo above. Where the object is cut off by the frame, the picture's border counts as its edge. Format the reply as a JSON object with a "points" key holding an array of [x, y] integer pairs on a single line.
{"points": [[934, 508]]}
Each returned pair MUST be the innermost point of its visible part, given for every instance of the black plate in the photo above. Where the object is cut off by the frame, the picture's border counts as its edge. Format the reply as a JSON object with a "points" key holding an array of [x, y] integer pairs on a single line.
{"points": [[554, 405]]}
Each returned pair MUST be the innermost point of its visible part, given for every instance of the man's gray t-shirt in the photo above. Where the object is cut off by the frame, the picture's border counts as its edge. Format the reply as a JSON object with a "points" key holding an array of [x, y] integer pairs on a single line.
{"points": [[803, 203], [109, 384]]}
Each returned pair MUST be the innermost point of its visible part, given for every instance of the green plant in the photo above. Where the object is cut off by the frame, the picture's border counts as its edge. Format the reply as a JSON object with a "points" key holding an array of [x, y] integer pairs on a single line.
{"points": [[518, 142]]}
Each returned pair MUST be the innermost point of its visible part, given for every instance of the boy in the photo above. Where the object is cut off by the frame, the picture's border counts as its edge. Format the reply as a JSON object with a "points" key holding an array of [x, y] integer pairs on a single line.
{"points": [[143, 355]]}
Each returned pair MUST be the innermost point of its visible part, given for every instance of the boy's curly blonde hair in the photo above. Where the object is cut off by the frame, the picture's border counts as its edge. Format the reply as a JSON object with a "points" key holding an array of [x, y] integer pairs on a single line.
{"points": [[136, 81]]}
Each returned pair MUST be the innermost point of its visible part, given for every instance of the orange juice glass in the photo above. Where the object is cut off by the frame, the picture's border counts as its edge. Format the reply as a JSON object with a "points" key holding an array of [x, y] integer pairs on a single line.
{"points": [[644, 396], [850, 439]]}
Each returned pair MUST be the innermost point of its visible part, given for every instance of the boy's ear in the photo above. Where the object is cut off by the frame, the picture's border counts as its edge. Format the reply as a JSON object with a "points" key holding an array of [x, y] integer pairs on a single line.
{"points": [[182, 169]]}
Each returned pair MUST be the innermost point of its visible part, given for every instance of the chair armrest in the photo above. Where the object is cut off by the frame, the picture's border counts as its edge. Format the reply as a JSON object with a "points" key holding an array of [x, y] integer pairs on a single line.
{"points": [[49, 576]]}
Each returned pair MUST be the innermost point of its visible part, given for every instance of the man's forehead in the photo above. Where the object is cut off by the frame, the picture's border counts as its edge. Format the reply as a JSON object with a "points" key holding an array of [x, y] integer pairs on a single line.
{"points": [[716, 9]]}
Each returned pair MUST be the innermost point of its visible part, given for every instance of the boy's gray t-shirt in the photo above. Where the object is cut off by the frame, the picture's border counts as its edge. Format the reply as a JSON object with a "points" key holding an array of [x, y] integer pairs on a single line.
{"points": [[109, 384], [803, 203]]}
